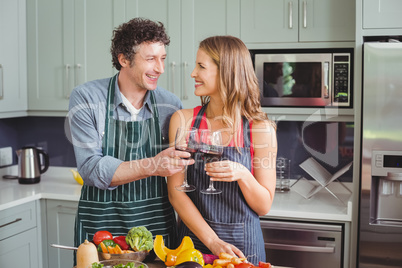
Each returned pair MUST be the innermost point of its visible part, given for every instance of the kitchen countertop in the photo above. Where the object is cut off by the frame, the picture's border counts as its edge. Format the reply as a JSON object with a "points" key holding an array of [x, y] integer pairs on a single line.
{"points": [[58, 183]]}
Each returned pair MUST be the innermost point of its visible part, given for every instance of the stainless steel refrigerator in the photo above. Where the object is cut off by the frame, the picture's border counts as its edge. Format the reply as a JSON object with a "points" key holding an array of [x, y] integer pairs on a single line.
{"points": [[380, 222]]}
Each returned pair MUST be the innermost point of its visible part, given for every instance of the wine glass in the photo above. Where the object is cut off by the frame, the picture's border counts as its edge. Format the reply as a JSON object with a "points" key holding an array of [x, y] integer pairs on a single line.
{"points": [[211, 149], [186, 140]]}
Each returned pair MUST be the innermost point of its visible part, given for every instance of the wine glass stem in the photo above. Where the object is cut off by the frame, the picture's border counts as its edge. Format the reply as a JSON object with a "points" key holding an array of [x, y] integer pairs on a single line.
{"points": [[185, 176], [211, 184]]}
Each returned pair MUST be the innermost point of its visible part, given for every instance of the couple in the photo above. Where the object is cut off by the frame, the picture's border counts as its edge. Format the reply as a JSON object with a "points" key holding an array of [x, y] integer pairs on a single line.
{"points": [[121, 127]]}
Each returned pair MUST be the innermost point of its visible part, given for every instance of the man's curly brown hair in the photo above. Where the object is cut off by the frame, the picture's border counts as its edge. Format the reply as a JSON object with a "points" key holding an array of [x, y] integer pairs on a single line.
{"points": [[128, 36]]}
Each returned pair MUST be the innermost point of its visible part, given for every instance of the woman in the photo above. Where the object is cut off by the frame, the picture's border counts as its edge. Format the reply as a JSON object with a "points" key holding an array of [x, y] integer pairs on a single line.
{"points": [[227, 222]]}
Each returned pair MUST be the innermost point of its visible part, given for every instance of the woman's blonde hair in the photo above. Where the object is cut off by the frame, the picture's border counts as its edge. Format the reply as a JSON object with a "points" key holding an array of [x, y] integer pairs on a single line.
{"points": [[238, 85]]}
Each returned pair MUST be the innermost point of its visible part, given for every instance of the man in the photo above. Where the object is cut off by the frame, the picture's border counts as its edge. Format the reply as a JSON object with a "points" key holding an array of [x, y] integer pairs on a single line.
{"points": [[119, 127]]}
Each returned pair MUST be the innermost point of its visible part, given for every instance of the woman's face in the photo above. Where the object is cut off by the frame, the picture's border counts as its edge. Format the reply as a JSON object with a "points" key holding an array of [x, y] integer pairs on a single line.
{"points": [[206, 75]]}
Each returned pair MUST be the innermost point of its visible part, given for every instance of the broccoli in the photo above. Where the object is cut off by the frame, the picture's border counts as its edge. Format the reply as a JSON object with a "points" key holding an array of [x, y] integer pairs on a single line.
{"points": [[139, 239]]}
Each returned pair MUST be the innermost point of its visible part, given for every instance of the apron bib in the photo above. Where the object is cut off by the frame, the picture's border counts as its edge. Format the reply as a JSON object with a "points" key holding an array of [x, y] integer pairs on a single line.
{"points": [[140, 203], [227, 213]]}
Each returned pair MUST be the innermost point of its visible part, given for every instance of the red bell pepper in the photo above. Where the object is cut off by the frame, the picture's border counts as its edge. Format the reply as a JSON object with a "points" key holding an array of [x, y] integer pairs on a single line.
{"points": [[121, 241]]}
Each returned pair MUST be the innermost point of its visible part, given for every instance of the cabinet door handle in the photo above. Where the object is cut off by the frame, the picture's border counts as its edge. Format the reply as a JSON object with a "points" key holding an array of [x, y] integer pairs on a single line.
{"points": [[1, 82], [77, 71], [172, 76], [290, 15], [300, 248], [185, 96], [67, 81], [11, 222], [304, 14]]}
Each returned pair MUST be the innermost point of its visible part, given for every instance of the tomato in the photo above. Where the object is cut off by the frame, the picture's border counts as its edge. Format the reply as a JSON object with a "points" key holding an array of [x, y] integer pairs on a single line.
{"points": [[264, 264], [244, 265], [99, 236]]}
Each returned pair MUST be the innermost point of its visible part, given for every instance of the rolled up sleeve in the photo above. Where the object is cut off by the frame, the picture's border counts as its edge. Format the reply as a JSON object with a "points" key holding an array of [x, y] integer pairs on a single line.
{"points": [[87, 119]]}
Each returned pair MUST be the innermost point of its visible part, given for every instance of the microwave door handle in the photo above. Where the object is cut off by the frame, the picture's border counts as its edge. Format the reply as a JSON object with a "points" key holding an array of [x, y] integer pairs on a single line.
{"points": [[300, 248], [326, 80]]}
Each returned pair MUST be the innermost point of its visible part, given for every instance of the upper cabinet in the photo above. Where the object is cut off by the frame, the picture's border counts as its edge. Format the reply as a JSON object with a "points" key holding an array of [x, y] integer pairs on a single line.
{"points": [[274, 21], [13, 57], [379, 14], [69, 42], [70, 45], [187, 22]]}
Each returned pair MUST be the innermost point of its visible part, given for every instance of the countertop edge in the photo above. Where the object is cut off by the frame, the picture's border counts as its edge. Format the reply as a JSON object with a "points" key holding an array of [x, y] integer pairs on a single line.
{"points": [[58, 184]]}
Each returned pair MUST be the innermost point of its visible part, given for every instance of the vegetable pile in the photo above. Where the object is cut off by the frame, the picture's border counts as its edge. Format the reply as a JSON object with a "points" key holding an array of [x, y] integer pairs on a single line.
{"points": [[225, 260], [137, 239], [128, 265]]}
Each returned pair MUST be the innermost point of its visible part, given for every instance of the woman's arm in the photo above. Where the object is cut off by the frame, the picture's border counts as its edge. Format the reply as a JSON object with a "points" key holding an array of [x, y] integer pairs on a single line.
{"points": [[183, 205], [258, 190]]}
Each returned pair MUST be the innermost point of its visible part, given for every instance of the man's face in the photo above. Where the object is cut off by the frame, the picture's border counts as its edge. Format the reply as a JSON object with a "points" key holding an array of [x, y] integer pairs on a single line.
{"points": [[148, 64]]}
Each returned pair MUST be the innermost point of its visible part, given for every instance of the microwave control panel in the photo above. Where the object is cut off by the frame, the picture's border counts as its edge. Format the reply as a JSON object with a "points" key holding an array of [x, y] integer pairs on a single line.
{"points": [[341, 82]]}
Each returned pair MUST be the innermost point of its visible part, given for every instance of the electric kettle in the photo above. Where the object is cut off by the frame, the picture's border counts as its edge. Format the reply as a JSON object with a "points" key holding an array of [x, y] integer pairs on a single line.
{"points": [[29, 166]]}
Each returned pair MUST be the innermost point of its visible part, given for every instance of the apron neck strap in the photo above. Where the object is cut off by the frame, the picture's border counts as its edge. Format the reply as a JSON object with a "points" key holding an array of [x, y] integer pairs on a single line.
{"points": [[110, 99]]}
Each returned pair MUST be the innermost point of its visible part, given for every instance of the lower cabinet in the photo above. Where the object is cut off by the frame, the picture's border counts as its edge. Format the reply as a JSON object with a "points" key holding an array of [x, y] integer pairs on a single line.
{"points": [[20, 250], [19, 239], [60, 219]]}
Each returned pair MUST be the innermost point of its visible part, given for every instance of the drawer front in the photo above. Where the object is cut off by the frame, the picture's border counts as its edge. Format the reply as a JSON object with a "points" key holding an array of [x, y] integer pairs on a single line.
{"points": [[17, 219]]}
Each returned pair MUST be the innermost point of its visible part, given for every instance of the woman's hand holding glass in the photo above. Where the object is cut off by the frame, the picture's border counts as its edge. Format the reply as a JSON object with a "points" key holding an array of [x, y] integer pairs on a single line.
{"points": [[226, 171]]}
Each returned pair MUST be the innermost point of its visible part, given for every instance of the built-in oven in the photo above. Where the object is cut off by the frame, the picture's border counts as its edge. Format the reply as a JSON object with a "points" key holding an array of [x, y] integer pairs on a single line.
{"points": [[303, 244], [304, 77]]}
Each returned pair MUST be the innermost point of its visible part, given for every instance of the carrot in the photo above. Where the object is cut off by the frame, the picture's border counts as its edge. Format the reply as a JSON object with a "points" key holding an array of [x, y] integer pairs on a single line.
{"points": [[221, 262], [224, 255], [117, 250], [236, 260], [110, 249], [103, 247]]}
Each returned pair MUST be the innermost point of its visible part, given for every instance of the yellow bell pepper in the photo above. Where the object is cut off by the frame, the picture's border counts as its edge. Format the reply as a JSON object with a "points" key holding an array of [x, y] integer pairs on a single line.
{"points": [[190, 255], [168, 255]]}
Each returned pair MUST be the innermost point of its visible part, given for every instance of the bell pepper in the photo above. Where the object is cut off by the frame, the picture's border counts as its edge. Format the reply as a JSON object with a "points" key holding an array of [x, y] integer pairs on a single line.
{"points": [[121, 241], [190, 255]]}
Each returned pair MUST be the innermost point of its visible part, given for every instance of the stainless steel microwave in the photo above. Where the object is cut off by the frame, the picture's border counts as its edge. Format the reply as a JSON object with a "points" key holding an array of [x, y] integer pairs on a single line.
{"points": [[304, 78]]}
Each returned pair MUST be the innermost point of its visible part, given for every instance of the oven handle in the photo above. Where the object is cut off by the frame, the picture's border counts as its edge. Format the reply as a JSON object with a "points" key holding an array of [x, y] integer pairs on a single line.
{"points": [[300, 248]]}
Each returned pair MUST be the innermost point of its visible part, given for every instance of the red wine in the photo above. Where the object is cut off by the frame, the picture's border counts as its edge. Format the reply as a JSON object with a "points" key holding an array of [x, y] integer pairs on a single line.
{"points": [[190, 150], [211, 156]]}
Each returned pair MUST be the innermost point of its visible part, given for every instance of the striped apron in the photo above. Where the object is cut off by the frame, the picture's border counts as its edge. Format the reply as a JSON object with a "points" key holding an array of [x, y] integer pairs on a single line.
{"points": [[139, 203], [227, 213]]}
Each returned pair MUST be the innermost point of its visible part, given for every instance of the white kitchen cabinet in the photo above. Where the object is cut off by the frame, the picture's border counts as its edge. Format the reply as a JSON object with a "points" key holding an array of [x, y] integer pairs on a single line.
{"points": [[69, 42], [19, 246], [379, 14], [60, 221], [74, 47], [273, 21], [13, 57], [187, 23]]}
